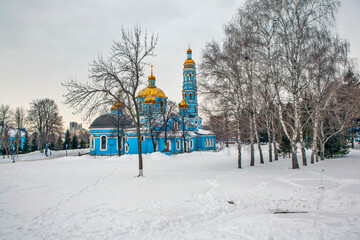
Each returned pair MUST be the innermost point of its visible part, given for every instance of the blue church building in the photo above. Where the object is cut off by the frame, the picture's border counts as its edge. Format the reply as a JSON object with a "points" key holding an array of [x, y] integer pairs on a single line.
{"points": [[182, 132]]}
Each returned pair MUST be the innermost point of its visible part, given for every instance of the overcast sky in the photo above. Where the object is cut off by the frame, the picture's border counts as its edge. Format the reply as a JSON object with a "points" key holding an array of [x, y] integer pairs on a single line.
{"points": [[44, 43]]}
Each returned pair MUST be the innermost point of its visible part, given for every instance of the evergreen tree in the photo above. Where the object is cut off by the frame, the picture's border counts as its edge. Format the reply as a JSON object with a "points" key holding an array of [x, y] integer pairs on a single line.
{"points": [[34, 142], [59, 143], [336, 146], [67, 139], [26, 145], [74, 142], [285, 145], [82, 143]]}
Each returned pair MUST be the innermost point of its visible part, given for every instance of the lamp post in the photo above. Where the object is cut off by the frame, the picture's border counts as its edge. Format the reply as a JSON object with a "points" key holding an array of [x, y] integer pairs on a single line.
{"points": [[66, 149], [50, 148], [46, 149], [110, 148], [13, 154]]}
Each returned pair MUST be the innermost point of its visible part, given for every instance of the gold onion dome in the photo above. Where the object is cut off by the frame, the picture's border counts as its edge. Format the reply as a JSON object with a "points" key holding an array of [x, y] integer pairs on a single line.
{"points": [[189, 61], [151, 90], [183, 104], [151, 77], [150, 100], [117, 106]]}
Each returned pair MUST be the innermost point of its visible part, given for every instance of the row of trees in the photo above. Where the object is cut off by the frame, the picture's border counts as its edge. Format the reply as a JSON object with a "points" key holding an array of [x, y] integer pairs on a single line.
{"points": [[42, 120], [282, 68]]}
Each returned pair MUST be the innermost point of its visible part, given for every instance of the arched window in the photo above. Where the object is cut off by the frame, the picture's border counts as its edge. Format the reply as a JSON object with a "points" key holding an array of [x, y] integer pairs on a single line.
{"points": [[126, 138], [187, 78], [196, 110], [92, 142], [169, 145], [142, 138], [178, 144], [191, 96], [176, 125], [162, 106], [206, 142], [126, 147], [103, 143], [185, 95], [191, 144]]}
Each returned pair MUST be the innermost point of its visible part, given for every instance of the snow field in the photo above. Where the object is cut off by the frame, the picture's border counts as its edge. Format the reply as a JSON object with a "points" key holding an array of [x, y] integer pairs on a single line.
{"points": [[182, 196]]}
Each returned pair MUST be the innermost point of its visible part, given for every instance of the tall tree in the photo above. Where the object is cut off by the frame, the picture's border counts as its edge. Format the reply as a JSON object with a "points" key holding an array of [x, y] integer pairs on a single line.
{"points": [[124, 71], [5, 122], [74, 142], [167, 115], [34, 142], [59, 143], [44, 118], [19, 120], [67, 141]]}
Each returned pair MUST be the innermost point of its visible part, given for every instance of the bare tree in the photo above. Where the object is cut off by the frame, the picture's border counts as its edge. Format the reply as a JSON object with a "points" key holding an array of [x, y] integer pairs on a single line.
{"points": [[124, 71], [19, 120], [222, 81], [5, 122], [44, 118], [167, 115]]}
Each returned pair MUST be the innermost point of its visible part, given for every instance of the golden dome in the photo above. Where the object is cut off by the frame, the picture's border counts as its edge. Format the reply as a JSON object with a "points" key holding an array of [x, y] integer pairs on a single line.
{"points": [[151, 77], [183, 104], [150, 100], [117, 106], [187, 61], [151, 91]]}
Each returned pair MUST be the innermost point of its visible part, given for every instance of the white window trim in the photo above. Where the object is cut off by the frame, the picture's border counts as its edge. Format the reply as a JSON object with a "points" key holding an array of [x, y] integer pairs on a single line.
{"points": [[169, 144], [126, 147], [106, 143], [92, 142], [191, 144], [126, 138]]}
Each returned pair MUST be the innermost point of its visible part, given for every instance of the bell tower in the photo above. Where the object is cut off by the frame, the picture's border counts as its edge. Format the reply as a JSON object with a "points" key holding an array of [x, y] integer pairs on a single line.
{"points": [[190, 88]]}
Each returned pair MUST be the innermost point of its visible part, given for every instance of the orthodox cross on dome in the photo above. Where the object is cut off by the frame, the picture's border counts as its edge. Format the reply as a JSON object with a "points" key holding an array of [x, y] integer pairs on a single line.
{"points": [[152, 66]]}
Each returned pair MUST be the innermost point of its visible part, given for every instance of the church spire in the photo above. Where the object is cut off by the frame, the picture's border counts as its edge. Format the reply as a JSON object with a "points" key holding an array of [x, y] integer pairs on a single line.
{"points": [[151, 78]]}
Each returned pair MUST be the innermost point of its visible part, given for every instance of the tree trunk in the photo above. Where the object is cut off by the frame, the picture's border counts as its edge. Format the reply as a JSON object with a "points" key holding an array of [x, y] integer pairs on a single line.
{"points": [[303, 152], [258, 140], [269, 138], [252, 157], [322, 151], [141, 173], [314, 147], [276, 157], [239, 145], [295, 164]]}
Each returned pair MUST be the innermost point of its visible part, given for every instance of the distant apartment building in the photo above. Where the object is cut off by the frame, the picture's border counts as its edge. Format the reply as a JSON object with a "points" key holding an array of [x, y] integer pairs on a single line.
{"points": [[75, 128]]}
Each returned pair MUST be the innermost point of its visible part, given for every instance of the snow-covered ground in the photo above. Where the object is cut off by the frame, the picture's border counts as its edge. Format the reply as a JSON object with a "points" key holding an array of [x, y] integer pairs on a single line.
{"points": [[182, 196]]}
